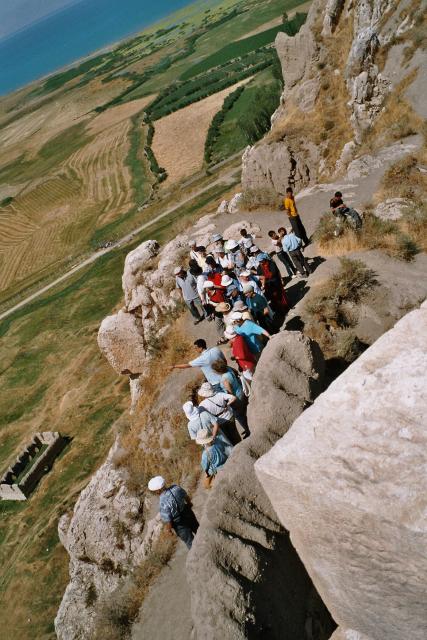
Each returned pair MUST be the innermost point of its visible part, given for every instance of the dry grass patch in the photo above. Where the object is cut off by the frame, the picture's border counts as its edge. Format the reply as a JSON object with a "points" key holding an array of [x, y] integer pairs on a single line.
{"points": [[332, 309], [179, 139], [399, 239]]}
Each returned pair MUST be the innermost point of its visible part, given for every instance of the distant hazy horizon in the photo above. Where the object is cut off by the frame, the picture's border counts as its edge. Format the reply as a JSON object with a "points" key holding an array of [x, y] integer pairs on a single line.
{"points": [[74, 31], [16, 15]]}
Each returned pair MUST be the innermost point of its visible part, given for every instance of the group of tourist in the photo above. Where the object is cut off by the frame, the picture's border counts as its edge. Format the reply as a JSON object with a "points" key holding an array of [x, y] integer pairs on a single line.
{"points": [[239, 287]]}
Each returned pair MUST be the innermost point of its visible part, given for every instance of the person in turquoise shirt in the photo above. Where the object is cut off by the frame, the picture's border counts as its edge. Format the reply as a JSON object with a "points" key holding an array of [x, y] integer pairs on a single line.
{"points": [[251, 331]]}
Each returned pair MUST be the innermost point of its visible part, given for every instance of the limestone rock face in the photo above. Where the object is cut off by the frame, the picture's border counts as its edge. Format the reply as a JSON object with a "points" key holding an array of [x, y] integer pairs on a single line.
{"points": [[135, 264], [349, 482], [238, 588], [105, 538], [121, 340], [235, 202], [223, 207], [392, 208]]}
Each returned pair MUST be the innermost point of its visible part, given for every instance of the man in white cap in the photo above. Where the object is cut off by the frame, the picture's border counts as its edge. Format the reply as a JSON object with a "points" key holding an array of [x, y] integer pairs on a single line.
{"points": [[214, 455], [247, 276], [186, 284], [217, 244], [236, 255], [175, 508]]}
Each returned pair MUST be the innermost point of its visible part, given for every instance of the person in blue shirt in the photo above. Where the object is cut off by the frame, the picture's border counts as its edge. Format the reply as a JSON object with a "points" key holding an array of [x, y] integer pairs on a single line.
{"points": [[175, 508], [292, 244], [198, 418], [251, 331], [230, 383], [204, 361], [213, 457]]}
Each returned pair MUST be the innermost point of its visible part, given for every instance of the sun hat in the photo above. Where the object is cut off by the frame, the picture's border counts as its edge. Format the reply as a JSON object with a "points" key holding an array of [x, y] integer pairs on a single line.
{"points": [[177, 270], [236, 315], [245, 274], [254, 249], [208, 284], [216, 237], [248, 286], [239, 306], [206, 390], [246, 315], [229, 334], [223, 307], [232, 244], [156, 483], [226, 281], [204, 437], [247, 374]]}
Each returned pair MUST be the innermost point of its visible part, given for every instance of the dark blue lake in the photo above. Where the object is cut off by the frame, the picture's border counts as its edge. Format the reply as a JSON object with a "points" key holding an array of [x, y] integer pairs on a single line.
{"points": [[73, 33]]}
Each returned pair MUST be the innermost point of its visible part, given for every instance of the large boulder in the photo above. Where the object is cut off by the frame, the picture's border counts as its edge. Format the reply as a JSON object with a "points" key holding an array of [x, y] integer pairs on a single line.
{"points": [[349, 482], [246, 581], [121, 340]]}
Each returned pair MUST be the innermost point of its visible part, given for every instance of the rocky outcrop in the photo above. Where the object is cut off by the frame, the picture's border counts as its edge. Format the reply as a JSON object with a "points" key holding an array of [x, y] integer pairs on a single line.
{"points": [[246, 580], [105, 538], [348, 481], [292, 154]]}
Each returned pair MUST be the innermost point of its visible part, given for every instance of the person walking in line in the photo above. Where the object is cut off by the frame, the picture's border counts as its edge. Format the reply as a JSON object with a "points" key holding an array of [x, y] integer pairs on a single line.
{"points": [[292, 244], [281, 254], [176, 511], [201, 278], [246, 241], [230, 383], [214, 456], [219, 404], [251, 331], [187, 285], [258, 306], [204, 361], [198, 418], [241, 353], [296, 223], [245, 277], [271, 282]]}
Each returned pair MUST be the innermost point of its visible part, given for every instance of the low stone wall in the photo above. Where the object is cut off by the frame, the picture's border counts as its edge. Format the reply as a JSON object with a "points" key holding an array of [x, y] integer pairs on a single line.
{"points": [[10, 487]]}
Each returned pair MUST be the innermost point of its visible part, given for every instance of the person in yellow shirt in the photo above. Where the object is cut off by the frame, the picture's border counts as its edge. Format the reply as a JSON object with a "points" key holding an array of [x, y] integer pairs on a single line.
{"points": [[296, 223]]}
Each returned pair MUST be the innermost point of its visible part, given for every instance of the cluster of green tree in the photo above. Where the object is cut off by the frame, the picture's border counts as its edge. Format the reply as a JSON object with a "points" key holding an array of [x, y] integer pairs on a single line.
{"points": [[182, 94], [264, 102], [217, 120], [160, 172], [240, 48]]}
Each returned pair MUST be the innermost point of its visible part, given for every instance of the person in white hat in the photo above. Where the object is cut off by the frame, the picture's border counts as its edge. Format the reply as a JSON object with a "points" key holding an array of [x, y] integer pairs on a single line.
{"points": [[243, 356], [198, 419], [214, 455], [175, 508], [219, 404], [245, 277], [230, 383], [251, 331], [186, 284], [217, 244], [236, 255]]}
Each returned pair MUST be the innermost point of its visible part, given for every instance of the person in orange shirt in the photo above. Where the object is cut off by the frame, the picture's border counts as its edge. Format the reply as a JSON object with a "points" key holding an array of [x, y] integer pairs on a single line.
{"points": [[296, 223]]}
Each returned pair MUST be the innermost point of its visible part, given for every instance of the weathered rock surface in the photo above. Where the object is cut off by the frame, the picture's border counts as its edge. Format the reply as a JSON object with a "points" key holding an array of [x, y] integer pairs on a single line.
{"points": [[105, 538], [285, 156], [349, 482], [245, 579], [121, 340], [392, 208]]}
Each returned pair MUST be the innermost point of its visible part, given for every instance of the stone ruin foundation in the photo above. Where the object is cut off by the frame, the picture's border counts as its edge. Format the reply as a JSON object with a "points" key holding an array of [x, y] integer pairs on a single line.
{"points": [[21, 478]]}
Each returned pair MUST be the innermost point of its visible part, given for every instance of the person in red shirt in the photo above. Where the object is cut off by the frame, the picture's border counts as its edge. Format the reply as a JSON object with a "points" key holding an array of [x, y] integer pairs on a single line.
{"points": [[245, 359]]}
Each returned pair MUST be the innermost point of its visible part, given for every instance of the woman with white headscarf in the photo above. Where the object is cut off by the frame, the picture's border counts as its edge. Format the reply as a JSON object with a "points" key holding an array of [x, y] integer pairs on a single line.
{"points": [[199, 418]]}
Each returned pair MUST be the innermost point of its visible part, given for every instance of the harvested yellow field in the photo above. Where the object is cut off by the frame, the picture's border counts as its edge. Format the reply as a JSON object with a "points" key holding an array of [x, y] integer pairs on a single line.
{"points": [[179, 139], [100, 167], [117, 114]]}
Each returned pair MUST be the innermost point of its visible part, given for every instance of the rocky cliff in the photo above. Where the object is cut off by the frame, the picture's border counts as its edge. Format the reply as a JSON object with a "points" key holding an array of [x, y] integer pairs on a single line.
{"points": [[246, 580], [348, 481], [341, 71]]}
